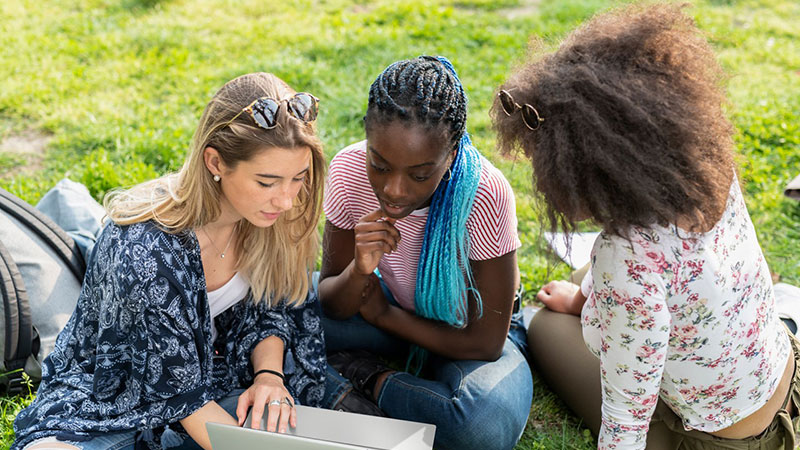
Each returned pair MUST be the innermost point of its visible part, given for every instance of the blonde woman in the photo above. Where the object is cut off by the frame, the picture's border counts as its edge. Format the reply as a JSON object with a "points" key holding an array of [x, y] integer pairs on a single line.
{"points": [[195, 304]]}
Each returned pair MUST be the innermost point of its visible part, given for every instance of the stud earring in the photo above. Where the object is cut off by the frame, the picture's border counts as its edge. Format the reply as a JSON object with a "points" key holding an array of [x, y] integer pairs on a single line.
{"points": [[217, 178]]}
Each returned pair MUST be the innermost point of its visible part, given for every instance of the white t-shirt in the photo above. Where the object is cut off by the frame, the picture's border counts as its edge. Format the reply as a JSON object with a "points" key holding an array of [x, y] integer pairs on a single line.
{"points": [[225, 296]]}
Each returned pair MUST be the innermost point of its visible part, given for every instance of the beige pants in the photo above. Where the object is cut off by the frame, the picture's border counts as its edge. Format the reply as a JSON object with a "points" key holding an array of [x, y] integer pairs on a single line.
{"points": [[573, 373]]}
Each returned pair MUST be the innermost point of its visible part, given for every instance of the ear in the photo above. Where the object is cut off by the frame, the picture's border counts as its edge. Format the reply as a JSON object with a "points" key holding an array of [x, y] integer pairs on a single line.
{"points": [[213, 161], [452, 157]]}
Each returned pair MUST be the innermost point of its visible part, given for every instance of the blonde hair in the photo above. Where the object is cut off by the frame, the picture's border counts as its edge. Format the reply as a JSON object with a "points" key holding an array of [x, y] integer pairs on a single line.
{"points": [[276, 260]]}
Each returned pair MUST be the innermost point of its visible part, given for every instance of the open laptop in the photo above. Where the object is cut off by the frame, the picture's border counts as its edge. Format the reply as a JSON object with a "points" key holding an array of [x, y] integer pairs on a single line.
{"points": [[323, 429]]}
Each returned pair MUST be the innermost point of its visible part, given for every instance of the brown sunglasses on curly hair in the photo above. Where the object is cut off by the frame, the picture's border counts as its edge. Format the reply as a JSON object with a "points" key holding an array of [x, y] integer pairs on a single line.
{"points": [[530, 117]]}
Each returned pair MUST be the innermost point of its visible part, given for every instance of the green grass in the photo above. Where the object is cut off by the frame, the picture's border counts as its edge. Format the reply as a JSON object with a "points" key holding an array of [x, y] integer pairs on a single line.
{"points": [[120, 85]]}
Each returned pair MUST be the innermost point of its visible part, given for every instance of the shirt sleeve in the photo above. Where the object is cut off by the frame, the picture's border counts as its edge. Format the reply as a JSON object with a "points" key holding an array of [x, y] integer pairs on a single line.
{"points": [[586, 283], [305, 363], [300, 329], [336, 202], [634, 336], [249, 323], [492, 224], [149, 348]]}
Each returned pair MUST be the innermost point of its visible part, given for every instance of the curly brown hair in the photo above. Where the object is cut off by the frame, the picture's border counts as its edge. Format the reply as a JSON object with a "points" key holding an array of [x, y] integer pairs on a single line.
{"points": [[634, 132]]}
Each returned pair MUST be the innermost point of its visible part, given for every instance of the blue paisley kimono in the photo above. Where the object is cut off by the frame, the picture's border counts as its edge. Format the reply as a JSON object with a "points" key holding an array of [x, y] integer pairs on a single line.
{"points": [[137, 352]]}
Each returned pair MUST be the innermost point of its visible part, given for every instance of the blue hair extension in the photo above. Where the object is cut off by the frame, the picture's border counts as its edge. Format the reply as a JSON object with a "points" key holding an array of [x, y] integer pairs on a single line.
{"points": [[427, 90], [444, 277]]}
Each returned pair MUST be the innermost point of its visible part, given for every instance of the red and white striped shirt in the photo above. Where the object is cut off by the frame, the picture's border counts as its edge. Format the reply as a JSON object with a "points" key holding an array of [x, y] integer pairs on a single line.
{"points": [[492, 223]]}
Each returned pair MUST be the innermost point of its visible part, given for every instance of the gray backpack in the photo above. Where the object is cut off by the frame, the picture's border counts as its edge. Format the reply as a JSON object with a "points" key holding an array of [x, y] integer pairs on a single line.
{"points": [[41, 271]]}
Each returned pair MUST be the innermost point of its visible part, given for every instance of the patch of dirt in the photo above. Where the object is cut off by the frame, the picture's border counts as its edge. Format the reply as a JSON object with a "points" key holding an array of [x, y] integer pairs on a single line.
{"points": [[28, 146], [361, 9], [526, 8]]}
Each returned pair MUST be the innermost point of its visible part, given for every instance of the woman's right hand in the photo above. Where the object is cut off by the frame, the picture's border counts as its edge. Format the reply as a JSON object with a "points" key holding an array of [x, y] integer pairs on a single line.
{"points": [[375, 235], [562, 296]]}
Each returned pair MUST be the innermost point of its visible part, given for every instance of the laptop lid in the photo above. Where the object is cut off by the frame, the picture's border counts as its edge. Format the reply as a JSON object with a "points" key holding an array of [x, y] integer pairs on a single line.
{"points": [[326, 429]]}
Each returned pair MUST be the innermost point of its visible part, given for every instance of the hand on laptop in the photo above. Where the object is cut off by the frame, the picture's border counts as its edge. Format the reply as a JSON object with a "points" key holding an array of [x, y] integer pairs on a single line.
{"points": [[268, 392]]}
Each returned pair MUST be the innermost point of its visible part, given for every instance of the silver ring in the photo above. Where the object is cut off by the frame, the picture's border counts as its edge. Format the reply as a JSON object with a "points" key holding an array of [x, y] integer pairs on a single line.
{"points": [[274, 402], [287, 401]]}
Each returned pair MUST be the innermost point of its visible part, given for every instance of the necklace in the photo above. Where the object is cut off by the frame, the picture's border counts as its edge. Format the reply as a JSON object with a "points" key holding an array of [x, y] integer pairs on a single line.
{"points": [[230, 239]]}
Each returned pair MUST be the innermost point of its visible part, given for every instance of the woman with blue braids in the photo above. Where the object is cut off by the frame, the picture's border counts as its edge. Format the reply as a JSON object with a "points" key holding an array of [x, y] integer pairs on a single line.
{"points": [[419, 263]]}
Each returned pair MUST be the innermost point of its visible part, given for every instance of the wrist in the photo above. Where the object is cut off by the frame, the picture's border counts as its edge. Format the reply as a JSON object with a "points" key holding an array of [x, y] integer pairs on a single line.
{"points": [[365, 282], [264, 373], [578, 299], [355, 271]]}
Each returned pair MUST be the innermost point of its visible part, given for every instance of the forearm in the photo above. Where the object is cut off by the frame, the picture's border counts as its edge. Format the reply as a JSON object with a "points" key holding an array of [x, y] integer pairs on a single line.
{"points": [[195, 424], [341, 295], [268, 354], [444, 339], [577, 302]]}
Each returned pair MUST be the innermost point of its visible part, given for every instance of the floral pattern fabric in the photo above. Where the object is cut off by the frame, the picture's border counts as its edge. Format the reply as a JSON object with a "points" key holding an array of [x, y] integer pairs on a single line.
{"points": [[137, 353], [689, 317]]}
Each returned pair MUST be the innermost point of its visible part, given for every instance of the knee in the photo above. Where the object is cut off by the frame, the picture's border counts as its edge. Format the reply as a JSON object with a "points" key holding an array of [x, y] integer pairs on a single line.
{"points": [[493, 422]]}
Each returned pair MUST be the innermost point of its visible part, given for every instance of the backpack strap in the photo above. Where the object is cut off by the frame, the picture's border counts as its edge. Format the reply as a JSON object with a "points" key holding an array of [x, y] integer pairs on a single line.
{"points": [[18, 321], [47, 230]]}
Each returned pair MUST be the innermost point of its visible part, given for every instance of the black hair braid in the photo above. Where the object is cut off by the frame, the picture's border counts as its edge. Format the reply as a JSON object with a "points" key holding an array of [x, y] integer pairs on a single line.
{"points": [[420, 90]]}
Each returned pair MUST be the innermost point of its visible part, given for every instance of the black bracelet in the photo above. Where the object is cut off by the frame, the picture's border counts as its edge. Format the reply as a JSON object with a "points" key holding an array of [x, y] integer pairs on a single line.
{"points": [[273, 372]]}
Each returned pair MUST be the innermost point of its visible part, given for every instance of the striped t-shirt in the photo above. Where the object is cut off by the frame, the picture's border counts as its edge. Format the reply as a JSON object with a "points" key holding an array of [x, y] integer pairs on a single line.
{"points": [[492, 223]]}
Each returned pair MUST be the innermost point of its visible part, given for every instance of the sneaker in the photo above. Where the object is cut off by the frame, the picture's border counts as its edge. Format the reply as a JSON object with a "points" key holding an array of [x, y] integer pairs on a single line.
{"points": [[356, 402], [360, 367]]}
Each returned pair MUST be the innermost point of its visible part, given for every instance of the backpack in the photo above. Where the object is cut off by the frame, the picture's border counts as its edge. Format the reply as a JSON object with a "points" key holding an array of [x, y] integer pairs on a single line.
{"points": [[41, 272]]}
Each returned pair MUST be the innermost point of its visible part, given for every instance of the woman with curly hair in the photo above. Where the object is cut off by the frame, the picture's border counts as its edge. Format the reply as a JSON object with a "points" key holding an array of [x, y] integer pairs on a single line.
{"points": [[625, 127]]}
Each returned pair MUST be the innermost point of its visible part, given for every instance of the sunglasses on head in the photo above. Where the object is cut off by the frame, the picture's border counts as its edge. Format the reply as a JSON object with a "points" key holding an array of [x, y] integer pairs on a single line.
{"points": [[264, 111], [530, 117]]}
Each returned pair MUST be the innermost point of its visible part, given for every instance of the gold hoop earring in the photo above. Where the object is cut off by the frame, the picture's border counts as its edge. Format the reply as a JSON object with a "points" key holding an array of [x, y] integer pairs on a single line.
{"points": [[449, 175]]}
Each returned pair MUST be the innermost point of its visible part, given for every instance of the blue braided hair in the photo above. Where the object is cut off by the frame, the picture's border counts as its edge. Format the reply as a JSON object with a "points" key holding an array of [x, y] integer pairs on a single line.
{"points": [[427, 91]]}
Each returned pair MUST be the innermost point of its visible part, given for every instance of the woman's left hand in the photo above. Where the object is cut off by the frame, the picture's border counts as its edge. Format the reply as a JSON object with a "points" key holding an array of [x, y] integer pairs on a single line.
{"points": [[268, 391], [374, 306]]}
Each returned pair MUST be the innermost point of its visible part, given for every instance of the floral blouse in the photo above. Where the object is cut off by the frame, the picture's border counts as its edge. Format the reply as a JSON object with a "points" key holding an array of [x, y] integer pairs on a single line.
{"points": [[689, 317], [137, 353]]}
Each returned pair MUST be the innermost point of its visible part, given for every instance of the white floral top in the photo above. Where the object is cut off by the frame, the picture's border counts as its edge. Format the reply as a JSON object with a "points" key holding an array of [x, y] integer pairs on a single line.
{"points": [[689, 317]]}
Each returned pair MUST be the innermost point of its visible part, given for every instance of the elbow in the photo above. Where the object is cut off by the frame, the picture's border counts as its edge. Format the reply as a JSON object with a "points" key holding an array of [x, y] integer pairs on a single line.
{"points": [[331, 309], [489, 352], [492, 354]]}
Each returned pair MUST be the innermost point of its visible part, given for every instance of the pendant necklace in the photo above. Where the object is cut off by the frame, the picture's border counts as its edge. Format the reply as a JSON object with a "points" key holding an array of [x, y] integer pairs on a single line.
{"points": [[230, 239]]}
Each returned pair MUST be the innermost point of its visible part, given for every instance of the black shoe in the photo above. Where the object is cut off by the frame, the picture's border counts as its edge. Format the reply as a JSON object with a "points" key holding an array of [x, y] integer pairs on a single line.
{"points": [[360, 367], [356, 402]]}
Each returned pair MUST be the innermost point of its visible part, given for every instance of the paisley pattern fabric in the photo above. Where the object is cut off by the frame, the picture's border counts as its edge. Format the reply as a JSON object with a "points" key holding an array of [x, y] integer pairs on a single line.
{"points": [[137, 352]]}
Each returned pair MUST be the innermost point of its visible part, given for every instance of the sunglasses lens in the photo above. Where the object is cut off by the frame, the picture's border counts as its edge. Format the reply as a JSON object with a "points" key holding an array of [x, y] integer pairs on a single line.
{"points": [[304, 107], [264, 113], [530, 117], [508, 104]]}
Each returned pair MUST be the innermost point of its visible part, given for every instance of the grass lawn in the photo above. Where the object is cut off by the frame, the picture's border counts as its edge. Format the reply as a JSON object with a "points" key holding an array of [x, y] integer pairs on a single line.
{"points": [[108, 92]]}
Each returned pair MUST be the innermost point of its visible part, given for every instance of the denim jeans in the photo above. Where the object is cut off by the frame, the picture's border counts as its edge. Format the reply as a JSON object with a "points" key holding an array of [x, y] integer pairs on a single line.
{"points": [[474, 404], [126, 440], [229, 404], [112, 441]]}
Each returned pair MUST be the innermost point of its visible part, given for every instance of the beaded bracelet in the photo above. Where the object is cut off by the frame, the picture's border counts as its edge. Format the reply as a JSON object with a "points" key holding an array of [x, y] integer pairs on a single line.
{"points": [[270, 371]]}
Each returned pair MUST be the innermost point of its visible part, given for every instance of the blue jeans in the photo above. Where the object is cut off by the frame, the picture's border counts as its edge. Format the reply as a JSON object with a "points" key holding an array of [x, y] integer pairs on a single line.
{"points": [[474, 404], [126, 440], [229, 404]]}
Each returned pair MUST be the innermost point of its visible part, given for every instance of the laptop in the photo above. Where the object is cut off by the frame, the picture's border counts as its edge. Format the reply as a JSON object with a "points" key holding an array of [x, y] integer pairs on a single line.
{"points": [[324, 429]]}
